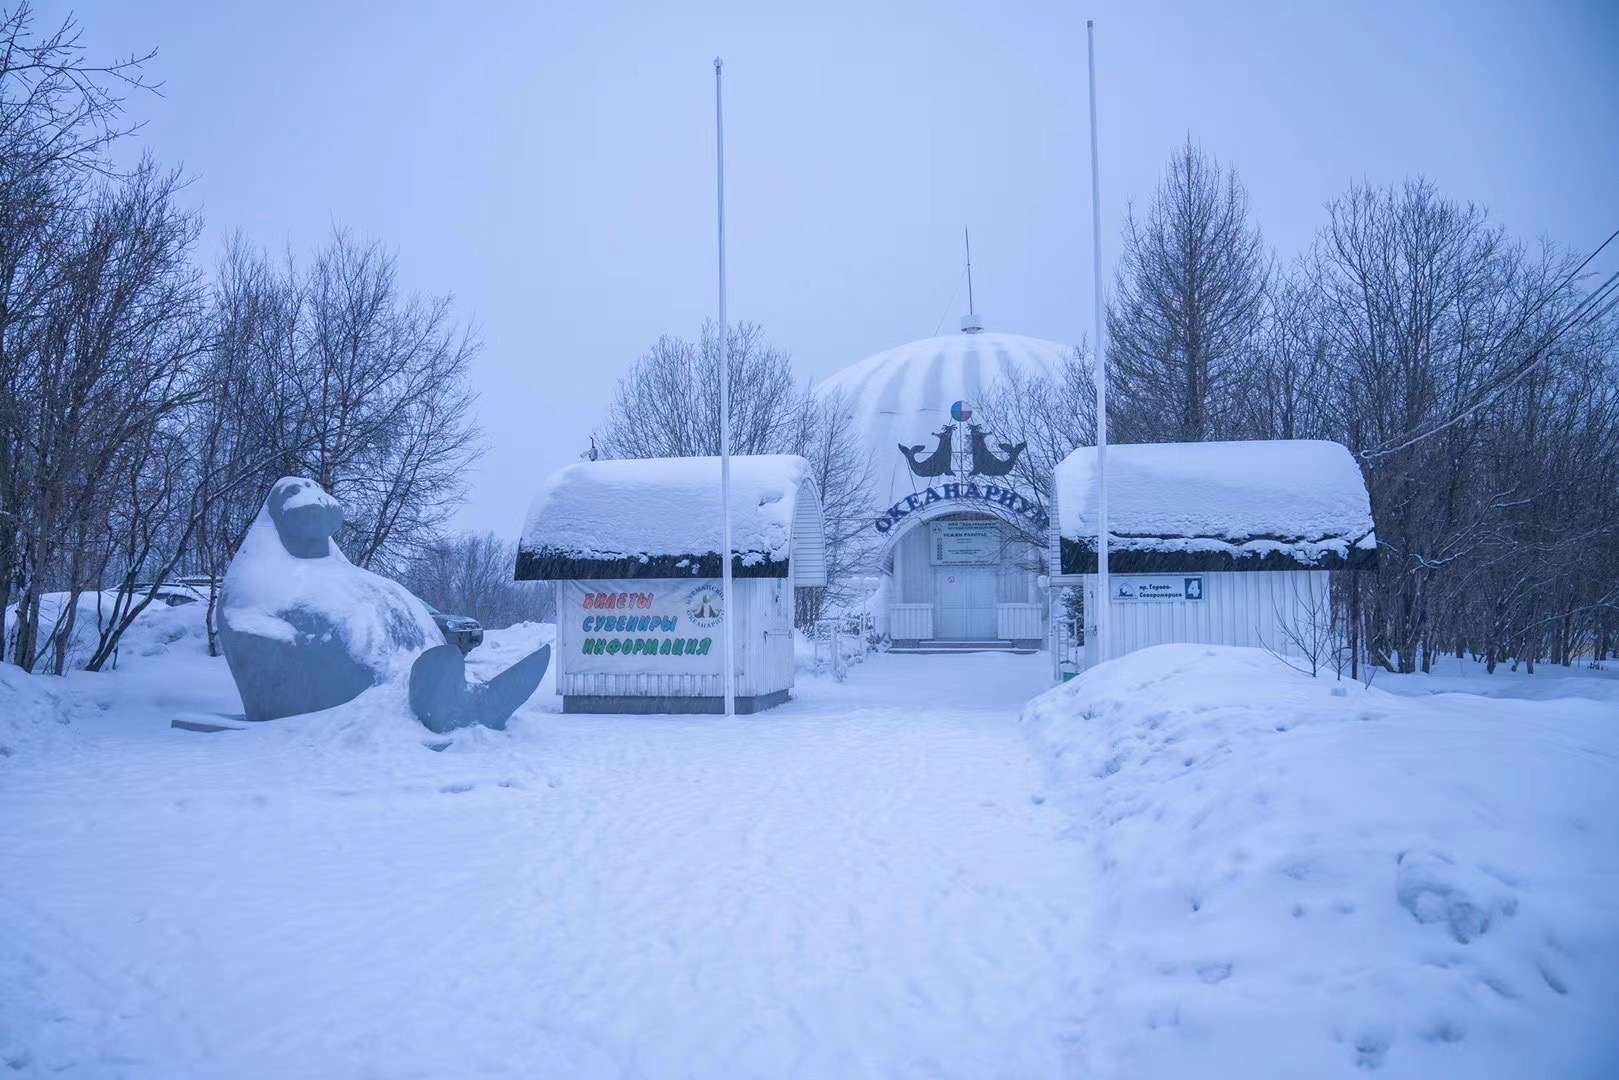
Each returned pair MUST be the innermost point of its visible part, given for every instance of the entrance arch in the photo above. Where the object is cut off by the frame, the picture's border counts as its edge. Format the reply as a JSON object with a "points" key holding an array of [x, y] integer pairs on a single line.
{"points": [[962, 573]]}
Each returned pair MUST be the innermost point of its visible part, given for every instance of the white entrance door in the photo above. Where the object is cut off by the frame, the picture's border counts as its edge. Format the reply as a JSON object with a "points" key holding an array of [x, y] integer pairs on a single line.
{"points": [[964, 603]]}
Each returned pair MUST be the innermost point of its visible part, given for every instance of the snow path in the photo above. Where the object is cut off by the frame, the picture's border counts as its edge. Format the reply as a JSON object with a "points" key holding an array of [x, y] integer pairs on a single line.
{"points": [[865, 882]]}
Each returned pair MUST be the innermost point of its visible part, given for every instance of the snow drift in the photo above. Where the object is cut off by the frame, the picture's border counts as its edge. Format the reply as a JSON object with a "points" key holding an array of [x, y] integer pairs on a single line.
{"points": [[1303, 876]]}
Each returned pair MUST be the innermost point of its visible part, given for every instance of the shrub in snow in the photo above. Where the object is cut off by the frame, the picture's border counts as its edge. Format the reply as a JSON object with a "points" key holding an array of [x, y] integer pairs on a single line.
{"points": [[1299, 877]]}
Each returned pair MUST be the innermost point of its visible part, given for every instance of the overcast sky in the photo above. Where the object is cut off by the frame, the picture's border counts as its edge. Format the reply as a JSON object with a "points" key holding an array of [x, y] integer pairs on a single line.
{"points": [[552, 164]]}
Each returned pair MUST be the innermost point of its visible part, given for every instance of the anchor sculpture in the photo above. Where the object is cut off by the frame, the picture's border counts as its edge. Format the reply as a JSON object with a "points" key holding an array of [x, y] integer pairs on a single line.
{"points": [[936, 463], [985, 463]]}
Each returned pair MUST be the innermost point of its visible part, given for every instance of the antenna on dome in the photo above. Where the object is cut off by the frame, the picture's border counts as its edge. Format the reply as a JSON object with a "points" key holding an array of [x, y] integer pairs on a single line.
{"points": [[970, 322]]}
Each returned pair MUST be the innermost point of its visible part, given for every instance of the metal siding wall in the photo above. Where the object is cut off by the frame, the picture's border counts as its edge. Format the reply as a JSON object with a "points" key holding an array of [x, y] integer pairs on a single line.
{"points": [[1250, 608], [1019, 622], [809, 543], [1015, 583], [912, 572], [910, 622]]}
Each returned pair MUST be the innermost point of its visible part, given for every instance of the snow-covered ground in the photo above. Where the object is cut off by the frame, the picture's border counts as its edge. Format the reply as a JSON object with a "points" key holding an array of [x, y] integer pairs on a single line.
{"points": [[891, 876], [856, 884], [1301, 876]]}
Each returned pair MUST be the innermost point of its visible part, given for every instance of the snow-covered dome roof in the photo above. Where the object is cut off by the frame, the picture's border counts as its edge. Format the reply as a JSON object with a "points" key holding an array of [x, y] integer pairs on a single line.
{"points": [[902, 396]]}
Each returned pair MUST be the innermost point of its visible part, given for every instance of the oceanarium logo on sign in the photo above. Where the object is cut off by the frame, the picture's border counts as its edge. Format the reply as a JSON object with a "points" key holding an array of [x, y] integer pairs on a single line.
{"points": [[1000, 499], [703, 606]]}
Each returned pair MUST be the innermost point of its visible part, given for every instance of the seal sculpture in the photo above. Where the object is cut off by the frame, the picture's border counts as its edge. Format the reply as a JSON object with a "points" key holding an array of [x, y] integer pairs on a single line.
{"points": [[304, 629]]}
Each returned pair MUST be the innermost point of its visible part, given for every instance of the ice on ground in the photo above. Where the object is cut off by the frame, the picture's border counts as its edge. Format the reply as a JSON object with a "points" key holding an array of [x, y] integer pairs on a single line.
{"points": [[1305, 876]]}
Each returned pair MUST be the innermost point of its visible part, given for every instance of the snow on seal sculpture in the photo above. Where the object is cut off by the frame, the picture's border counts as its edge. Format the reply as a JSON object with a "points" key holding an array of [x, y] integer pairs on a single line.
{"points": [[304, 629]]}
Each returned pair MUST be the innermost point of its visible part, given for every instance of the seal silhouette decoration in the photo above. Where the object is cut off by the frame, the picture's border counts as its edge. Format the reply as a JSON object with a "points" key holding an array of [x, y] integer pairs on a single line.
{"points": [[985, 463], [936, 463], [304, 629]]}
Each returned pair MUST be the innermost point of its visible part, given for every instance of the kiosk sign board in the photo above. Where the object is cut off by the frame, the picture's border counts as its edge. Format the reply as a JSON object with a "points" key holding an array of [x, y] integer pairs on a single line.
{"points": [[1134, 589], [643, 627], [957, 543]]}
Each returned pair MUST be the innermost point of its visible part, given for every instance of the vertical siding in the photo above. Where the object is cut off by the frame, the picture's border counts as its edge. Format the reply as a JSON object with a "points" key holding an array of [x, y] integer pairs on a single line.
{"points": [[1020, 622], [1252, 608], [910, 622], [913, 574], [808, 559]]}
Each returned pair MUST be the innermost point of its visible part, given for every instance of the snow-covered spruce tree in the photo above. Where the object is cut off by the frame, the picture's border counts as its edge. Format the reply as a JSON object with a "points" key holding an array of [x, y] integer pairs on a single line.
{"points": [[668, 406]]}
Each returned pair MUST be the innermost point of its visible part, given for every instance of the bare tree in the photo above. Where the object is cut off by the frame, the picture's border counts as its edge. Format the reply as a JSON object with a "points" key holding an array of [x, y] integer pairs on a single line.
{"points": [[110, 359], [1187, 305], [471, 574], [843, 475], [668, 406], [59, 112], [669, 403], [381, 409], [1422, 301], [1285, 385]]}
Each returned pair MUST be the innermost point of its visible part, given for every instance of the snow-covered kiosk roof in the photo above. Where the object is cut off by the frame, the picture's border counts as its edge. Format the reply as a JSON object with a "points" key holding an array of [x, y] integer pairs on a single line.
{"points": [[660, 518], [1262, 505], [901, 396]]}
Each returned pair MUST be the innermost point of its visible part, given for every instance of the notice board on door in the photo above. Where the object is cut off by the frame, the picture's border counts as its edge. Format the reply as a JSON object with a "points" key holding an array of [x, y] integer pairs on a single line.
{"points": [[964, 543]]}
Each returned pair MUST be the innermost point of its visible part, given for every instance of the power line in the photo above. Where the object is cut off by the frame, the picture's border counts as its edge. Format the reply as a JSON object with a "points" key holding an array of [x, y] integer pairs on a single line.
{"points": [[1584, 313], [948, 304]]}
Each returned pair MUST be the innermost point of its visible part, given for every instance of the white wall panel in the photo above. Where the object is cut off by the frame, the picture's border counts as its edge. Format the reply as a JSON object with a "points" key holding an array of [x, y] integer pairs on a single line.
{"points": [[910, 622], [1019, 622], [1253, 608]]}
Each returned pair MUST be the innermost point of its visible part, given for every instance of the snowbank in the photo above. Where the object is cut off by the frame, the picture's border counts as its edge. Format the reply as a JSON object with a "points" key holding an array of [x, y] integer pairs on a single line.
{"points": [[33, 717], [638, 511], [1305, 877], [155, 630], [1301, 499]]}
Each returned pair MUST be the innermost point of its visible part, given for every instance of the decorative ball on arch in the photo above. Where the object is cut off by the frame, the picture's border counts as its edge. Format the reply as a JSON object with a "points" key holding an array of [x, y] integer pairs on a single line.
{"points": [[961, 412]]}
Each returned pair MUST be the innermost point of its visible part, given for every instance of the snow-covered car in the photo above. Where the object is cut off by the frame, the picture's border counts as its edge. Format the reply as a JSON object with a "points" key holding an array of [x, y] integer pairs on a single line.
{"points": [[462, 631]]}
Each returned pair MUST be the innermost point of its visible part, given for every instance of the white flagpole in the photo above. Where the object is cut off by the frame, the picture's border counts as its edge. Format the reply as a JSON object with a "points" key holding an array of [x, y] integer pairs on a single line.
{"points": [[1103, 594], [727, 615]]}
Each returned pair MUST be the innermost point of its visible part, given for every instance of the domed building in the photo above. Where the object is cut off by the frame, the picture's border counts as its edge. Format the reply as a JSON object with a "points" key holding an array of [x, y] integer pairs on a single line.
{"points": [[960, 534]]}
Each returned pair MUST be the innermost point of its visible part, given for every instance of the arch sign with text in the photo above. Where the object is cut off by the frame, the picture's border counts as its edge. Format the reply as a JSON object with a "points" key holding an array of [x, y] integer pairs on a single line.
{"points": [[963, 468]]}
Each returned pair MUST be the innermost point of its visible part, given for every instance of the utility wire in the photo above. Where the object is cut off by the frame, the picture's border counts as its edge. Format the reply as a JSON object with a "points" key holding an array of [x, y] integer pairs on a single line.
{"points": [[1581, 316], [948, 304]]}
